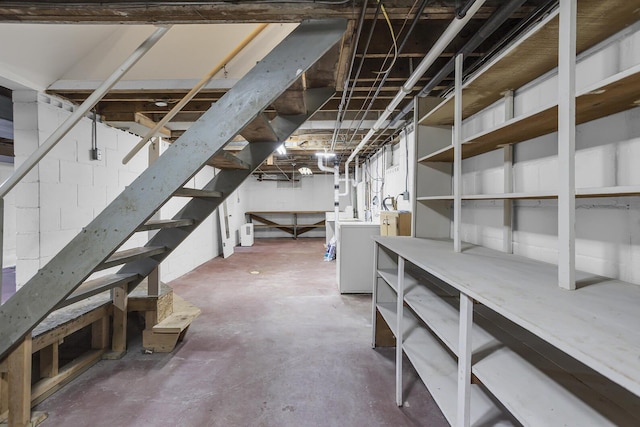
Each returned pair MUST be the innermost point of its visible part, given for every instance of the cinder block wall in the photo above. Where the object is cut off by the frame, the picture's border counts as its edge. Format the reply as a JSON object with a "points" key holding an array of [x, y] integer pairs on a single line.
{"points": [[68, 189]]}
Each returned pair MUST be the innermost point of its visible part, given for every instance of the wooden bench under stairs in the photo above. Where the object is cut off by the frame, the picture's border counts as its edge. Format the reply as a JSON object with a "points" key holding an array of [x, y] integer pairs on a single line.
{"points": [[167, 318]]}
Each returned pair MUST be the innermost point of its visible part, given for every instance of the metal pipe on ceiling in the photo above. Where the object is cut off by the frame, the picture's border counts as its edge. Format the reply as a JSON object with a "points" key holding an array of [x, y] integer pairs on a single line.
{"points": [[492, 24], [452, 30]]}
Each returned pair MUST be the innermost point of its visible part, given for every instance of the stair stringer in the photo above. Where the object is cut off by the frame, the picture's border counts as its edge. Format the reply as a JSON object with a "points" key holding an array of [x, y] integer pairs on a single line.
{"points": [[147, 193]]}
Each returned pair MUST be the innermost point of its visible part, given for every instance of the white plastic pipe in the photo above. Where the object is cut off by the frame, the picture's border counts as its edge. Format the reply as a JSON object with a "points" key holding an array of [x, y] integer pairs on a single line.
{"points": [[452, 30], [83, 109]]}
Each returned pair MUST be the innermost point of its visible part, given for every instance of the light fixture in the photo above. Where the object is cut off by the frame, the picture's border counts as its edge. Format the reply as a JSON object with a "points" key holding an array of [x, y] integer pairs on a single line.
{"points": [[161, 103], [326, 155], [305, 171], [281, 150]]}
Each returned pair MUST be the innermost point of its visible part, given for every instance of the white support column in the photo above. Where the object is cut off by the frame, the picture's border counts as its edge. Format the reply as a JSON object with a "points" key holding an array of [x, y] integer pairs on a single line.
{"points": [[399, 329], [507, 213], [566, 144], [374, 297], [457, 156], [464, 361]]}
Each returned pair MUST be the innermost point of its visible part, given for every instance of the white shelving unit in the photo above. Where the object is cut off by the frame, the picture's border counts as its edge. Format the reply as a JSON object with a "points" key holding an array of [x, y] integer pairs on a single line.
{"points": [[494, 336], [548, 356]]}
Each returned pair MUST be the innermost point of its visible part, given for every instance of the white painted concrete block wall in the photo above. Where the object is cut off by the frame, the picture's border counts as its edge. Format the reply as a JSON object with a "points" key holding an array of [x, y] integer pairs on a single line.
{"points": [[67, 189], [314, 194], [607, 151], [9, 225]]}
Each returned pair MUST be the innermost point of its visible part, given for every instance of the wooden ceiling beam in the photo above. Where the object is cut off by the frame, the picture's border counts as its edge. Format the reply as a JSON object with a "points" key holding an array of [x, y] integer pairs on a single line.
{"points": [[180, 12]]}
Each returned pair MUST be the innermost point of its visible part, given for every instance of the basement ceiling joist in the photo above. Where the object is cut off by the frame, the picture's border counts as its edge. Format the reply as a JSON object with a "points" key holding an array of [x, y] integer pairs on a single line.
{"points": [[130, 100], [187, 12]]}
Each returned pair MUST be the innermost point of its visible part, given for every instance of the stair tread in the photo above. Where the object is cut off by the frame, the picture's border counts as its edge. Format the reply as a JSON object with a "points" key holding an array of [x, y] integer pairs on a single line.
{"points": [[96, 286], [183, 314], [122, 257], [194, 192], [156, 224], [225, 160], [259, 130]]}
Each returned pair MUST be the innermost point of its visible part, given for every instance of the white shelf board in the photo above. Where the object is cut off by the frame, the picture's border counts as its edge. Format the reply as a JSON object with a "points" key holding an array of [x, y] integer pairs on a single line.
{"points": [[526, 292], [433, 198], [438, 370], [533, 395], [511, 196], [616, 191]]}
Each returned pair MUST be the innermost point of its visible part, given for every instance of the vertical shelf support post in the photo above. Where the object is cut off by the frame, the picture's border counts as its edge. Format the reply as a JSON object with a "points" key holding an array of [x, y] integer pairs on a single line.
{"points": [[457, 156], [566, 144], [399, 329], [464, 361], [374, 297], [507, 207]]}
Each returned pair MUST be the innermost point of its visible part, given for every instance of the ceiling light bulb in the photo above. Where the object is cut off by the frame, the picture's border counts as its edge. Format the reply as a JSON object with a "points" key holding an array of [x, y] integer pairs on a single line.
{"points": [[161, 103], [326, 154], [281, 150]]}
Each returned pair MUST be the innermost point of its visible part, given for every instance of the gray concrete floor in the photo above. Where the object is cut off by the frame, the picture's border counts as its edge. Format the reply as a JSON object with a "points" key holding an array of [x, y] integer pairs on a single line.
{"points": [[280, 347]]}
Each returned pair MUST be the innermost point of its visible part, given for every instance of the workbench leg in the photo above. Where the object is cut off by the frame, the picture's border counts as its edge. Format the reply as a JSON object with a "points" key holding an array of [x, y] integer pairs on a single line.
{"points": [[120, 299], [100, 334], [49, 364], [19, 387]]}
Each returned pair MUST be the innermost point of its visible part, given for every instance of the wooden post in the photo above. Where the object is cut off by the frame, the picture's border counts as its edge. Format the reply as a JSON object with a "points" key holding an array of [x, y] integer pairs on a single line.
{"points": [[119, 342], [19, 384], [4, 390], [464, 361], [49, 364], [100, 333]]}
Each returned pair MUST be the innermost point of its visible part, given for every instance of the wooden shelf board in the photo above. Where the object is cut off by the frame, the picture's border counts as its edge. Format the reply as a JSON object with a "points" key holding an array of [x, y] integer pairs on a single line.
{"points": [[581, 193], [444, 154], [533, 56], [526, 292], [613, 95], [388, 312]]}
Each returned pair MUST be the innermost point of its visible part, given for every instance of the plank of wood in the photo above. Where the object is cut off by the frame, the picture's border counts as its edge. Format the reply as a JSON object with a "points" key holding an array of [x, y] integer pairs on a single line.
{"points": [[64, 324], [4, 392], [159, 342], [46, 387], [193, 192], [133, 254], [157, 224], [225, 160], [19, 387], [183, 314], [96, 286], [119, 339], [49, 361], [100, 334]]}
